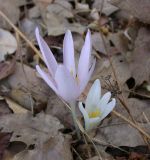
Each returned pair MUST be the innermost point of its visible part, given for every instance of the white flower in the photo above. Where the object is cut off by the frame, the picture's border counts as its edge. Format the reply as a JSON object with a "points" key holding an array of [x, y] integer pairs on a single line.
{"points": [[96, 107]]}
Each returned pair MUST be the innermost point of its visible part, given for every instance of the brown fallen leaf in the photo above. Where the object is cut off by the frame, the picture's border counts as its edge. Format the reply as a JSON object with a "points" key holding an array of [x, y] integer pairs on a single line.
{"points": [[4, 107], [137, 8], [107, 7], [11, 9], [120, 41], [7, 68], [29, 129], [16, 108], [98, 44], [104, 70], [42, 132], [61, 8], [56, 108], [140, 64], [8, 44], [22, 83], [57, 148]]}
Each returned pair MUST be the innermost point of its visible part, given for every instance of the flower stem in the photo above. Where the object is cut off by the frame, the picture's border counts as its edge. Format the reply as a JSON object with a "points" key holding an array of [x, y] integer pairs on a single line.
{"points": [[73, 110]]}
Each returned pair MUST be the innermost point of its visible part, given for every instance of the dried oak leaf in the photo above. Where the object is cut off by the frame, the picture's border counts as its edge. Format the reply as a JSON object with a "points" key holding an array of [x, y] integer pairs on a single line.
{"points": [[107, 7], [120, 65], [8, 44], [11, 10], [23, 82], [29, 129], [57, 148], [42, 132], [140, 64], [7, 68], [137, 8]]}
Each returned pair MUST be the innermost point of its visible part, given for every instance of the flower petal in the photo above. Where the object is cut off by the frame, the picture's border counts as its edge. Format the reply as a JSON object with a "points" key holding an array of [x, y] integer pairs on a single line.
{"points": [[108, 108], [68, 53], [66, 84], [85, 115], [103, 101], [94, 122], [93, 96], [46, 53], [85, 81], [46, 78], [83, 66]]}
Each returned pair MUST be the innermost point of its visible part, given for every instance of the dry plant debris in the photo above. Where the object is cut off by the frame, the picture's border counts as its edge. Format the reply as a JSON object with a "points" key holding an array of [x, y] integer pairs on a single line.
{"points": [[34, 123]]}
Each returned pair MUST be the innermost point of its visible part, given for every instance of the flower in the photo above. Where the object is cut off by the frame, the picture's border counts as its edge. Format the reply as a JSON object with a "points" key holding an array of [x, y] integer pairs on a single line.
{"points": [[64, 79], [96, 107]]}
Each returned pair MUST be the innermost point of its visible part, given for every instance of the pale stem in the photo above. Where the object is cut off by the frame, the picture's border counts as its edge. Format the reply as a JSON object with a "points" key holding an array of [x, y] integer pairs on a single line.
{"points": [[73, 110]]}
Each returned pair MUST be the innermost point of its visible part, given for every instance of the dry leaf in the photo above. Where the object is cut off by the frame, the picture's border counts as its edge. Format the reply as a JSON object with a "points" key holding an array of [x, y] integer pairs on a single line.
{"points": [[120, 134], [57, 148], [22, 83], [7, 68], [56, 108], [28, 129], [137, 8], [60, 26], [28, 26], [4, 107], [63, 9], [98, 43], [16, 108], [41, 131], [120, 41], [140, 64], [55, 17], [120, 65], [8, 44], [11, 10], [107, 7]]}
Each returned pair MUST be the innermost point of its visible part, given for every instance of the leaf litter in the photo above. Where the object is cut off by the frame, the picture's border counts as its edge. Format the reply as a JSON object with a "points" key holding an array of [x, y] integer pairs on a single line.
{"points": [[124, 26]]}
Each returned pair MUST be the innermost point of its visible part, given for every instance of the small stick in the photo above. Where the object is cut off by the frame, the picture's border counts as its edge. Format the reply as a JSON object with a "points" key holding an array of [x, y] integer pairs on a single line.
{"points": [[131, 123]]}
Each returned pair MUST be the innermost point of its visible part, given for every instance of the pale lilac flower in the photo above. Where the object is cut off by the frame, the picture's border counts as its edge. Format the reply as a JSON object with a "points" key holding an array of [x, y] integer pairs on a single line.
{"points": [[96, 107], [64, 79]]}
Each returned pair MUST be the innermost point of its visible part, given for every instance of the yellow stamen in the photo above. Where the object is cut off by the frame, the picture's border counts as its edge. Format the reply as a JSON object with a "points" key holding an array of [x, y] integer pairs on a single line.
{"points": [[95, 114]]}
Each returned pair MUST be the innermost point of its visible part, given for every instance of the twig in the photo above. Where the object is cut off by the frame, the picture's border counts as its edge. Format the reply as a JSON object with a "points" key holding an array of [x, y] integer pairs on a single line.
{"points": [[77, 153], [132, 124]]}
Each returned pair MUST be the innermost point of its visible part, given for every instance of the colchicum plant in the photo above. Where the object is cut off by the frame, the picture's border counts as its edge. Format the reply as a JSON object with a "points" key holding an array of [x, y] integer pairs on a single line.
{"points": [[67, 81], [97, 107], [64, 79]]}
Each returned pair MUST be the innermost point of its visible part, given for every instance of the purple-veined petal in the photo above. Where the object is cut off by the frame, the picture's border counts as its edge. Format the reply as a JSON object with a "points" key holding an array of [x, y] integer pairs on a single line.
{"points": [[46, 78], [83, 66], [68, 53], [93, 96], [48, 56], [87, 78], [85, 115], [108, 108], [66, 84]]}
